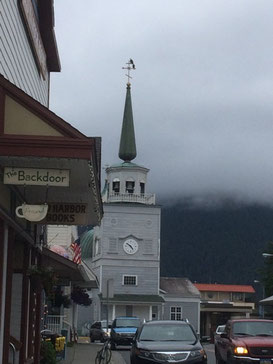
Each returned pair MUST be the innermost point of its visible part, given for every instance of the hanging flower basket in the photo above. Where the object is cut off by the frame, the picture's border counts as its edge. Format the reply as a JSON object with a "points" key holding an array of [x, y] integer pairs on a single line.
{"points": [[59, 299], [79, 296], [42, 277], [36, 282]]}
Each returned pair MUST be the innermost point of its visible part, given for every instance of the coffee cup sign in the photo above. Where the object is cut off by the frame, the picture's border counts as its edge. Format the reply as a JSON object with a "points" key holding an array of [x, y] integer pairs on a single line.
{"points": [[32, 212]]}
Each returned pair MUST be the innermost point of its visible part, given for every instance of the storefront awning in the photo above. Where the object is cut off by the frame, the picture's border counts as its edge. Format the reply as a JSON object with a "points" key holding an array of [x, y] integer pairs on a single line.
{"points": [[35, 141], [68, 270]]}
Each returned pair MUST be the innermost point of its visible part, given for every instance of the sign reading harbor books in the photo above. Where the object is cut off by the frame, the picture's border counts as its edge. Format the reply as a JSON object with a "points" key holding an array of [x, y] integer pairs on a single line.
{"points": [[66, 214], [36, 177]]}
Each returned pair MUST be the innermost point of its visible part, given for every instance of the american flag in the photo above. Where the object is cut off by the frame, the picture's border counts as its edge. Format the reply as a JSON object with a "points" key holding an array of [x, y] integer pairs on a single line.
{"points": [[76, 247]]}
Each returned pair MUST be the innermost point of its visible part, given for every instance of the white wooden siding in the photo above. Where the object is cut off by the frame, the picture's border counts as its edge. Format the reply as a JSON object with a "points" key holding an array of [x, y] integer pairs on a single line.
{"points": [[17, 63], [59, 235]]}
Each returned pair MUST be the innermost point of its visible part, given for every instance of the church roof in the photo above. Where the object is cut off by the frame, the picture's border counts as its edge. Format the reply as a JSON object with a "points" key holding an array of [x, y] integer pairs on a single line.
{"points": [[127, 147], [87, 244], [178, 286], [127, 165], [151, 298]]}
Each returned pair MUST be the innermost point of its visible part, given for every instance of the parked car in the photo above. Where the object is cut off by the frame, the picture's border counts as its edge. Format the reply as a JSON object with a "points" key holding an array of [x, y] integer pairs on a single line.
{"points": [[219, 330], [99, 331], [245, 341], [123, 330], [167, 342], [86, 329]]}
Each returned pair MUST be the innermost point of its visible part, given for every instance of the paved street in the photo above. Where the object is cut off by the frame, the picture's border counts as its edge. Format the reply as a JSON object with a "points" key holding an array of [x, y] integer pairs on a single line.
{"points": [[125, 353], [85, 353], [210, 352]]}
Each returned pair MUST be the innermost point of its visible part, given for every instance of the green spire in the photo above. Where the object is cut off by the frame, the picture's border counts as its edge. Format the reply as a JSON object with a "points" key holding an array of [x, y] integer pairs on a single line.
{"points": [[127, 146]]}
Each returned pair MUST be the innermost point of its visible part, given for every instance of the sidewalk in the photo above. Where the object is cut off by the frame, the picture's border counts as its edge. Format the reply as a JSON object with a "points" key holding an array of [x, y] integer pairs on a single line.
{"points": [[85, 353]]}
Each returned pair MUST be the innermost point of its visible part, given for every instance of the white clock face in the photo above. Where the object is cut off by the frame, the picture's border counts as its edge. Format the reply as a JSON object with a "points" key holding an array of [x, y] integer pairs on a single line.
{"points": [[130, 246]]}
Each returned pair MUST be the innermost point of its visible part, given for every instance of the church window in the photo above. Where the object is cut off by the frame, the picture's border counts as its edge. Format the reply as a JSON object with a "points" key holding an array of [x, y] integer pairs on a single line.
{"points": [[129, 280], [148, 247], [176, 313], [142, 188], [113, 247], [130, 186], [116, 185]]}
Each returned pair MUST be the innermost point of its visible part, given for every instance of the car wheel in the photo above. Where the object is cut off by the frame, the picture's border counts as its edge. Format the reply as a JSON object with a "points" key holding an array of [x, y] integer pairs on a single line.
{"points": [[102, 339], [91, 339]]}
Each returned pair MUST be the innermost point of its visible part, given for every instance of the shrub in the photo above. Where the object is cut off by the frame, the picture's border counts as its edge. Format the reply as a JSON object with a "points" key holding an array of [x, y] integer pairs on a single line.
{"points": [[48, 353]]}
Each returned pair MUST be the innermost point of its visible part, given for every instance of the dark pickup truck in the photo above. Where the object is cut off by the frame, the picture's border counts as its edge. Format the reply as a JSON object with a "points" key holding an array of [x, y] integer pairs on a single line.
{"points": [[245, 341]]}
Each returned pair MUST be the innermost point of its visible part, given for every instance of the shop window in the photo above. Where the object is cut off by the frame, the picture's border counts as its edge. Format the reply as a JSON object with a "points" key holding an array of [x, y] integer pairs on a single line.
{"points": [[130, 186], [176, 313], [129, 280]]}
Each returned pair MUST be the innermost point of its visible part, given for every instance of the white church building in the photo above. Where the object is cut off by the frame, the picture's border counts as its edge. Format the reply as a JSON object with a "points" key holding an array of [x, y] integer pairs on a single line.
{"points": [[124, 251]]}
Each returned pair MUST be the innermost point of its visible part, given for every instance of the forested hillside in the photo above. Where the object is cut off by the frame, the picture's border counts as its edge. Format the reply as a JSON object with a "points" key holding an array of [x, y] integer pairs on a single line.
{"points": [[222, 245]]}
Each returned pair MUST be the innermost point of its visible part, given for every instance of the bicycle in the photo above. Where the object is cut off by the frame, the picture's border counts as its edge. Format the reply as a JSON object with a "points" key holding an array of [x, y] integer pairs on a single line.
{"points": [[104, 355]]}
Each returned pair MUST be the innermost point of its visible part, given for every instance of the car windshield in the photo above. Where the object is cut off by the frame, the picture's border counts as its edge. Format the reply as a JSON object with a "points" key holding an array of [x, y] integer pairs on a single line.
{"points": [[124, 322], [104, 324], [253, 328], [167, 332]]}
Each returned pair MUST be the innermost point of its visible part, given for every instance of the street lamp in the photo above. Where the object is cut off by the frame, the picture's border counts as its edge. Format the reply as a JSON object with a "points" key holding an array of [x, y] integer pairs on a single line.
{"points": [[266, 255], [261, 307]]}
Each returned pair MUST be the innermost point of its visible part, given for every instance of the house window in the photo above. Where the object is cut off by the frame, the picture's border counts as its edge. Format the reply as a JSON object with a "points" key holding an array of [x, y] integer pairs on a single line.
{"points": [[130, 186], [116, 185], [35, 8], [237, 296], [129, 280], [176, 313], [142, 188]]}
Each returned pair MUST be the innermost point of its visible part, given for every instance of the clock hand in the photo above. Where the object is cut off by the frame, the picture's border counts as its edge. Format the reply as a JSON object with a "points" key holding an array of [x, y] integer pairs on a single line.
{"points": [[130, 246]]}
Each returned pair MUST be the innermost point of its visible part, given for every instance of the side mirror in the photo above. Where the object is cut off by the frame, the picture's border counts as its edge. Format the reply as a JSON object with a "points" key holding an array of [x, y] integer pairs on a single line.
{"points": [[205, 339]]}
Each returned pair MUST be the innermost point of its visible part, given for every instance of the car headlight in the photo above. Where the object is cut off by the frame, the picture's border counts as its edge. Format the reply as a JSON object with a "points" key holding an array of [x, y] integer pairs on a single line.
{"points": [[143, 353], [195, 353], [240, 350]]}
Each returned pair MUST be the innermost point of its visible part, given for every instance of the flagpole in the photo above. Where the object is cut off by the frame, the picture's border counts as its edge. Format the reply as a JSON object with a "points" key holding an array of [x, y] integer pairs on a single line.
{"points": [[107, 303]]}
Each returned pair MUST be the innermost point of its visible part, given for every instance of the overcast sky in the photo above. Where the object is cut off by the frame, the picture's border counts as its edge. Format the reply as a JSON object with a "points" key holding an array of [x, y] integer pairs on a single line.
{"points": [[202, 91]]}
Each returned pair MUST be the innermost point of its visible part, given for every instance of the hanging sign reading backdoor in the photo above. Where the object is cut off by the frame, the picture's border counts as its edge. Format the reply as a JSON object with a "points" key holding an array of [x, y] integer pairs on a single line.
{"points": [[36, 177]]}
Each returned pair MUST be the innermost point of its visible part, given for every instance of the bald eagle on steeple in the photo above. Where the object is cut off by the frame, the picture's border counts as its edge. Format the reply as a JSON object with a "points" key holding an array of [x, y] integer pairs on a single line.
{"points": [[132, 63]]}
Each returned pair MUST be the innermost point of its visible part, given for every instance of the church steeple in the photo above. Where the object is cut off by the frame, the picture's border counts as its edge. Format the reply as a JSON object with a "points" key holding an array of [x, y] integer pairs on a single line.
{"points": [[127, 146], [126, 182]]}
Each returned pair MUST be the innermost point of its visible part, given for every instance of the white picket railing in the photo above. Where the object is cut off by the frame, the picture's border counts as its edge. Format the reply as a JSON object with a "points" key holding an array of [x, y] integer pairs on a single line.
{"points": [[148, 199], [55, 323]]}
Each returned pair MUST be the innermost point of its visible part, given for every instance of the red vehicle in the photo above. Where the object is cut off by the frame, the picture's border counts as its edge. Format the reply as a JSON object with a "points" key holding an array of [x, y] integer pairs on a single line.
{"points": [[245, 341]]}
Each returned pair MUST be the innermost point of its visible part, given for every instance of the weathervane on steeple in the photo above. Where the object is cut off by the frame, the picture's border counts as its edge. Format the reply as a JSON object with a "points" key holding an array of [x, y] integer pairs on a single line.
{"points": [[130, 66]]}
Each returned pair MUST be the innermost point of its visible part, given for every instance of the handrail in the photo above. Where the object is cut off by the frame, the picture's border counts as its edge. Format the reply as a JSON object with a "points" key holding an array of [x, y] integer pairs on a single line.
{"points": [[14, 352]]}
